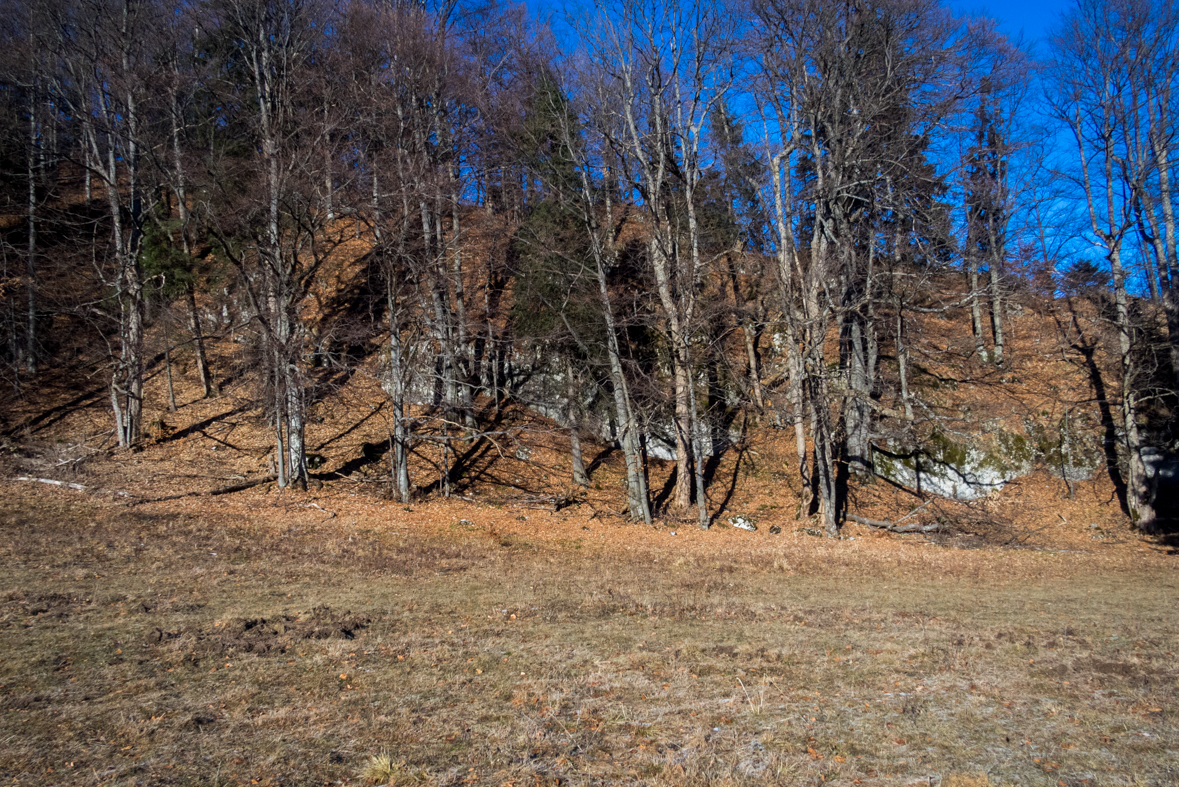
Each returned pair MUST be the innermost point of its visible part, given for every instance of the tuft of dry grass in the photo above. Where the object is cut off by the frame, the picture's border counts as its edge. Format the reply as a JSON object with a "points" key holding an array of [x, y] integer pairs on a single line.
{"points": [[142, 647], [381, 769], [964, 780]]}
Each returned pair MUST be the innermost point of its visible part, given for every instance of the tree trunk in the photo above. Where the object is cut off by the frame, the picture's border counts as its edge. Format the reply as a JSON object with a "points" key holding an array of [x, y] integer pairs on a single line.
{"points": [[751, 364], [296, 453], [1161, 240], [395, 388], [279, 275], [702, 517], [787, 265], [1066, 455], [395, 383], [194, 318], [168, 367], [31, 260], [198, 336], [573, 410], [825, 453], [903, 365], [684, 418], [997, 306], [637, 497], [1138, 491], [857, 414], [280, 452], [662, 263], [465, 354], [1160, 115], [127, 378], [976, 326]]}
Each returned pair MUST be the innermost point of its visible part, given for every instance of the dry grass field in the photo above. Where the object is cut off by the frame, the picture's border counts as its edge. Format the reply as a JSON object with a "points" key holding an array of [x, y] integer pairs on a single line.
{"points": [[267, 638]]}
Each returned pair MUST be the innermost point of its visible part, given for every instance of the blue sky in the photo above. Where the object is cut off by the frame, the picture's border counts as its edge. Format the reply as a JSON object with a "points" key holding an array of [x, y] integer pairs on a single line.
{"points": [[1032, 18], [1029, 20]]}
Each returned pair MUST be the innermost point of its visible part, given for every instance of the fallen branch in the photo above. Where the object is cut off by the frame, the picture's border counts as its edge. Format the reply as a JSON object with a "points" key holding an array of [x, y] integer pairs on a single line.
{"points": [[915, 510], [67, 485], [1019, 538], [884, 524], [553, 503]]}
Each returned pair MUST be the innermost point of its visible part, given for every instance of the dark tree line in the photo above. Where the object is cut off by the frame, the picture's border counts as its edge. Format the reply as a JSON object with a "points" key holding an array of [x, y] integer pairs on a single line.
{"points": [[623, 235]]}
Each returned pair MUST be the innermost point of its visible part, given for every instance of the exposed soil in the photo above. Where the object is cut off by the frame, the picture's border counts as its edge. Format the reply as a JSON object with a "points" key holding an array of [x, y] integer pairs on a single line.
{"points": [[277, 634]]}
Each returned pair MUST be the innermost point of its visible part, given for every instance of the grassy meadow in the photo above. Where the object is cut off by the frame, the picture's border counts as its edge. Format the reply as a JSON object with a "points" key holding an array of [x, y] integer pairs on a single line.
{"points": [[142, 648]]}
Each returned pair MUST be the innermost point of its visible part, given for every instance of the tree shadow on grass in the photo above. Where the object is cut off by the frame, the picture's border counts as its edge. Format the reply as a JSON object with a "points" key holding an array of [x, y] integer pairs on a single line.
{"points": [[1166, 534], [55, 414], [370, 454], [372, 413], [1169, 539], [660, 502], [461, 470], [468, 468], [81, 401]]}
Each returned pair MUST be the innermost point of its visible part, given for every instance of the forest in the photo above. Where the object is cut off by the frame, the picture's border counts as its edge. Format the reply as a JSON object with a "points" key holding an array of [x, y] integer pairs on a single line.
{"points": [[651, 392], [657, 224]]}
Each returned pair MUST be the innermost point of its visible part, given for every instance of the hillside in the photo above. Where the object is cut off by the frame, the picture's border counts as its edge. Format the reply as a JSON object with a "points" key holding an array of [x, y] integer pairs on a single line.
{"points": [[993, 472], [424, 239]]}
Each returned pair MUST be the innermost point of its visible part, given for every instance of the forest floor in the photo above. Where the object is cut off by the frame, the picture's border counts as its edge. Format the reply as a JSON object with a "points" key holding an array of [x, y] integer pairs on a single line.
{"points": [[175, 619]]}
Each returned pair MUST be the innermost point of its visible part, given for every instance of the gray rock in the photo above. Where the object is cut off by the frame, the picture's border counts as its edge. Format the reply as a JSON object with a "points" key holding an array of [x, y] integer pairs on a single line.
{"points": [[742, 522]]}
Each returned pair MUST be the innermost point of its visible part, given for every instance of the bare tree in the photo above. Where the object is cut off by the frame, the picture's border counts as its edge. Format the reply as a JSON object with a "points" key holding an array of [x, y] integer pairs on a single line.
{"points": [[852, 93], [267, 211], [996, 135], [1153, 37], [1103, 89], [107, 60], [32, 55], [395, 66], [575, 240], [665, 66], [176, 81]]}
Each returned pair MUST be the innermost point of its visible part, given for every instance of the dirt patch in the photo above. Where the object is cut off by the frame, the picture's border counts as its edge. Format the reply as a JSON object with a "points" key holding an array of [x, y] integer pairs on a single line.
{"points": [[275, 634], [30, 607], [1113, 668]]}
